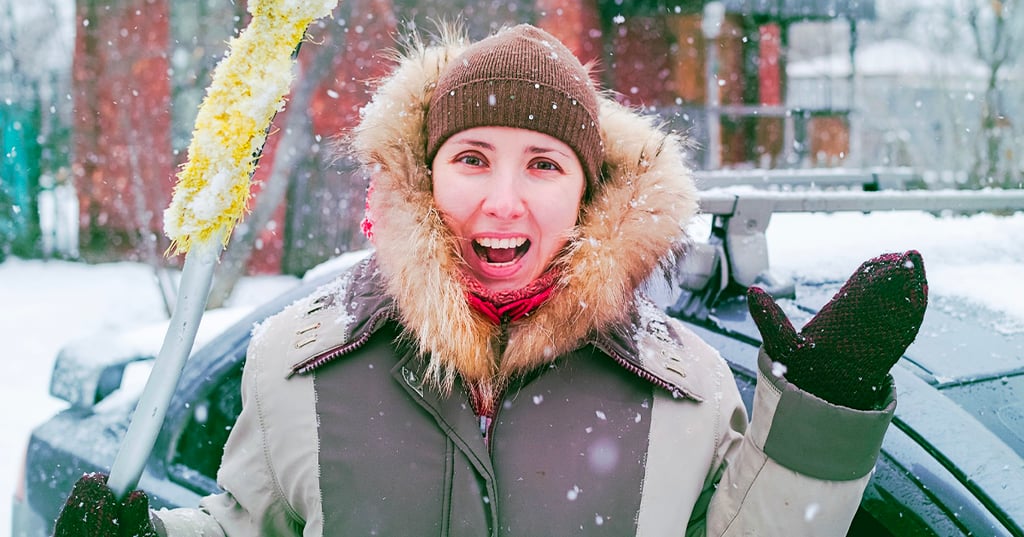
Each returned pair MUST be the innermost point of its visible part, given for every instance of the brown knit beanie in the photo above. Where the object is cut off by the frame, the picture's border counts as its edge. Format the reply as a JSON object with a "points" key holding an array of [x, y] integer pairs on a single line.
{"points": [[521, 77]]}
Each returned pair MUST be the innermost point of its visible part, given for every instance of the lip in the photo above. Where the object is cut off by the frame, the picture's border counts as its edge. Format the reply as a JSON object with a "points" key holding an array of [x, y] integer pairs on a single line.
{"points": [[497, 271]]}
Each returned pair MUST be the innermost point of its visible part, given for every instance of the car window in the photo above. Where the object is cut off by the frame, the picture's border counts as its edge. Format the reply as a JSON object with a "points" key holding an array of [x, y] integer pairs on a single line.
{"points": [[201, 444]]}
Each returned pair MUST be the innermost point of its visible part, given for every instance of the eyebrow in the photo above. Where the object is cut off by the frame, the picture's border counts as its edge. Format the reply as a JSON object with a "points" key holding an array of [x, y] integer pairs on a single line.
{"points": [[533, 149], [539, 150], [474, 143]]}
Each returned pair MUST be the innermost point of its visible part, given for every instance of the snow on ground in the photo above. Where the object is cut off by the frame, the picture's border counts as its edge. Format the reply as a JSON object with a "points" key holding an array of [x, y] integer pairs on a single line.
{"points": [[46, 304]]}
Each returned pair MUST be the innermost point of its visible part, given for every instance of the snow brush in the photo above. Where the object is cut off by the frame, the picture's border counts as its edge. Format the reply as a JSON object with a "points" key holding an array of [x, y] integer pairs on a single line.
{"points": [[212, 194]]}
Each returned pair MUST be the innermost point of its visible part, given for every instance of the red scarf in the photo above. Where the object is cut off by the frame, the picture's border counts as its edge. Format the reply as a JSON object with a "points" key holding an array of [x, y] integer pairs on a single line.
{"points": [[513, 304], [495, 305]]}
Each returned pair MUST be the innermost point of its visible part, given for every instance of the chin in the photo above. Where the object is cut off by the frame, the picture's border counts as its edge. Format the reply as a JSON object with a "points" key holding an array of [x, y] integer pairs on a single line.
{"points": [[504, 285], [517, 281]]}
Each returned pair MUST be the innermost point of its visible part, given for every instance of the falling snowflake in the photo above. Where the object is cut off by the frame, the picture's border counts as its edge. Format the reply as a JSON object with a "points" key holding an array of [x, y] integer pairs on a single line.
{"points": [[573, 493]]}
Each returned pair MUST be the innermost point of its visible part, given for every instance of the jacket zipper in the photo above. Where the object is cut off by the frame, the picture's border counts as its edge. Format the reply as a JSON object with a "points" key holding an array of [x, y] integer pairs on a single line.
{"points": [[642, 373], [487, 422], [506, 320], [334, 352]]}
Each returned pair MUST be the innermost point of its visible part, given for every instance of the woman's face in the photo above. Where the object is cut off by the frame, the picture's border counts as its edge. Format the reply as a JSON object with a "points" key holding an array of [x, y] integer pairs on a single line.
{"points": [[511, 197]]}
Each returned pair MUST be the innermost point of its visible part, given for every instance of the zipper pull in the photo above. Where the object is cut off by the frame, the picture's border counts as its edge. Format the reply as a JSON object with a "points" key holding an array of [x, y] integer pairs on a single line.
{"points": [[506, 320], [485, 429]]}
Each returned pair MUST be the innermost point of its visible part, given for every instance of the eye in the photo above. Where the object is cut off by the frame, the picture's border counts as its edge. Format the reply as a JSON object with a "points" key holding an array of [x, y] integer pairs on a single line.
{"points": [[546, 165], [471, 159]]}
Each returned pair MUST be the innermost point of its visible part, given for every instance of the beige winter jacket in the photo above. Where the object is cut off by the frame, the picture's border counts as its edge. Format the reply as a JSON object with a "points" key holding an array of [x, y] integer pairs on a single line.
{"points": [[615, 418]]}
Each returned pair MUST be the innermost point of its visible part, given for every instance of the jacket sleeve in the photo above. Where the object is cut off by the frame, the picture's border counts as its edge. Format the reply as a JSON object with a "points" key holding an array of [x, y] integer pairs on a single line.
{"points": [[268, 471], [799, 469]]}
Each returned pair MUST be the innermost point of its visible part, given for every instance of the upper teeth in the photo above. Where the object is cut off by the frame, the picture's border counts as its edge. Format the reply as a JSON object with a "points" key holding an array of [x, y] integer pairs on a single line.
{"points": [[488, 242]]}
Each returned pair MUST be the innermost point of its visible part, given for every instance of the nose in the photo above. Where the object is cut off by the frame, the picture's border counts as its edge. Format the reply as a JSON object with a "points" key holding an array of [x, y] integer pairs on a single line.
{"points": [[504, 198]]}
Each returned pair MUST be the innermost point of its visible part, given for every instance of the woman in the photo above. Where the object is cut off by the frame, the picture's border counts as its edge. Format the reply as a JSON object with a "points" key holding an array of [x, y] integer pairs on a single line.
{"points": [[493, 368]]}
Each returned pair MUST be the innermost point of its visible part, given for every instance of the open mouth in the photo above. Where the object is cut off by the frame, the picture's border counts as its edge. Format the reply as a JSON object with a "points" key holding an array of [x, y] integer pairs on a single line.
{"points": [[501, 252]]}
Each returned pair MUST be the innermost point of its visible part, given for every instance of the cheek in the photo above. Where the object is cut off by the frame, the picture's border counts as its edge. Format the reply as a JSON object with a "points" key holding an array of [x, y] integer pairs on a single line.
{"points": [[452, 202], [557, 214], [570, 203]]}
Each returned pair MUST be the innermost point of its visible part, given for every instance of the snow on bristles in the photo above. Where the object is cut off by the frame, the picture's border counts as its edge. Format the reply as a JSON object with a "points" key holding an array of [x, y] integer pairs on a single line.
{"points": [[248, 88]]}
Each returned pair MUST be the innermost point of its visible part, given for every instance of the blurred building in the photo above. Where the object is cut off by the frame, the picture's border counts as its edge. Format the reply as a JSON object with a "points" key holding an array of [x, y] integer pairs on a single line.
{"points": [[141, 66], [898, 89]]}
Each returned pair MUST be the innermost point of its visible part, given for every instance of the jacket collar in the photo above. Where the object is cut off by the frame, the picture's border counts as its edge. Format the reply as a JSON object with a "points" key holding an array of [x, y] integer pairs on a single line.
{"points": [[644, 333]]}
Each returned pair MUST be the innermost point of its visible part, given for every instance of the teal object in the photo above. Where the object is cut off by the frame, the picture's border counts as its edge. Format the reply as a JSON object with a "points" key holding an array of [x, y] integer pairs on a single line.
{"points": [[19, 179]]}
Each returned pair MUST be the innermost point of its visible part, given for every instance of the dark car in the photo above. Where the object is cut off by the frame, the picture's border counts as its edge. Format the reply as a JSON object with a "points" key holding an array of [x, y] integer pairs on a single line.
{"points": [[952, 462]]}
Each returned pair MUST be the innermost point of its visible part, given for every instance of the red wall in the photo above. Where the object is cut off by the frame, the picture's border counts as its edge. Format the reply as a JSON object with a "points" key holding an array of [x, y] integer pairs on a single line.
{"points": [[122, 162]]}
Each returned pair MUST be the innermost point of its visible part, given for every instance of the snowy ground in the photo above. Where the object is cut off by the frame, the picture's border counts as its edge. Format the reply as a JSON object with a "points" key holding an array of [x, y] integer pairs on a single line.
{"points": [[44, 305]]}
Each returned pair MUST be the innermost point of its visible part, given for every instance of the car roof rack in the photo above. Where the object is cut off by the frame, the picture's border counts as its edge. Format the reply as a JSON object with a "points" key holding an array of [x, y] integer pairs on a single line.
{"points": [[736, 253], [872, 179]]}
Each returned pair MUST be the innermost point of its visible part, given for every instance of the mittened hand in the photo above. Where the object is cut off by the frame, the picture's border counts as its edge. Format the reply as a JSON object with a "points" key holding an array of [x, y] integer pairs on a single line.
{"points": [[843, 355], [92, 511]]}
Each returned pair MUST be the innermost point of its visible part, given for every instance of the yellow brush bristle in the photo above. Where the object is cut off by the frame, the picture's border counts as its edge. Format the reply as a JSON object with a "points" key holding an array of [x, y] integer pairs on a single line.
{"points": [[247, 90]]}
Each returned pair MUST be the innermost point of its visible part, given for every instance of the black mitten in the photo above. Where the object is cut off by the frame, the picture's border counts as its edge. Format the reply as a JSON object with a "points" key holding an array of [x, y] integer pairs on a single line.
{"points": [[844, 353], [92, 511]]}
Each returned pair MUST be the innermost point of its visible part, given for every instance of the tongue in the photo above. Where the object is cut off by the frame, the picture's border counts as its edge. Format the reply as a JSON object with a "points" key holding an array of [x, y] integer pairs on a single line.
{"points": [[501, 255]]}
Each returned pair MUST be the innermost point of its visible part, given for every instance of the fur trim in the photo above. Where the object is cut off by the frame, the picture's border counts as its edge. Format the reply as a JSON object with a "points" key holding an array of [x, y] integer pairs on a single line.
{"points": [[631, 227]]}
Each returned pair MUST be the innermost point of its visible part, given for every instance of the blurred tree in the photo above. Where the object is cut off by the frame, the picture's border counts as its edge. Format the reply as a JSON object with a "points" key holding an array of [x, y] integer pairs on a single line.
{"points": [[957, 123], [996, 27]]}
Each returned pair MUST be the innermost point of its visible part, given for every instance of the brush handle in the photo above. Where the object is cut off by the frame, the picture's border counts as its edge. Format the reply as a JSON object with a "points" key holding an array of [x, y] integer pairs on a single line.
{"points": [[196, 278]]}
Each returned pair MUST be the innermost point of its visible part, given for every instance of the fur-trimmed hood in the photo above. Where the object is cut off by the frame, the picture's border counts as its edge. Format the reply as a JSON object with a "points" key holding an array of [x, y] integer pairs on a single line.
{"points": [[632, 226]]}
